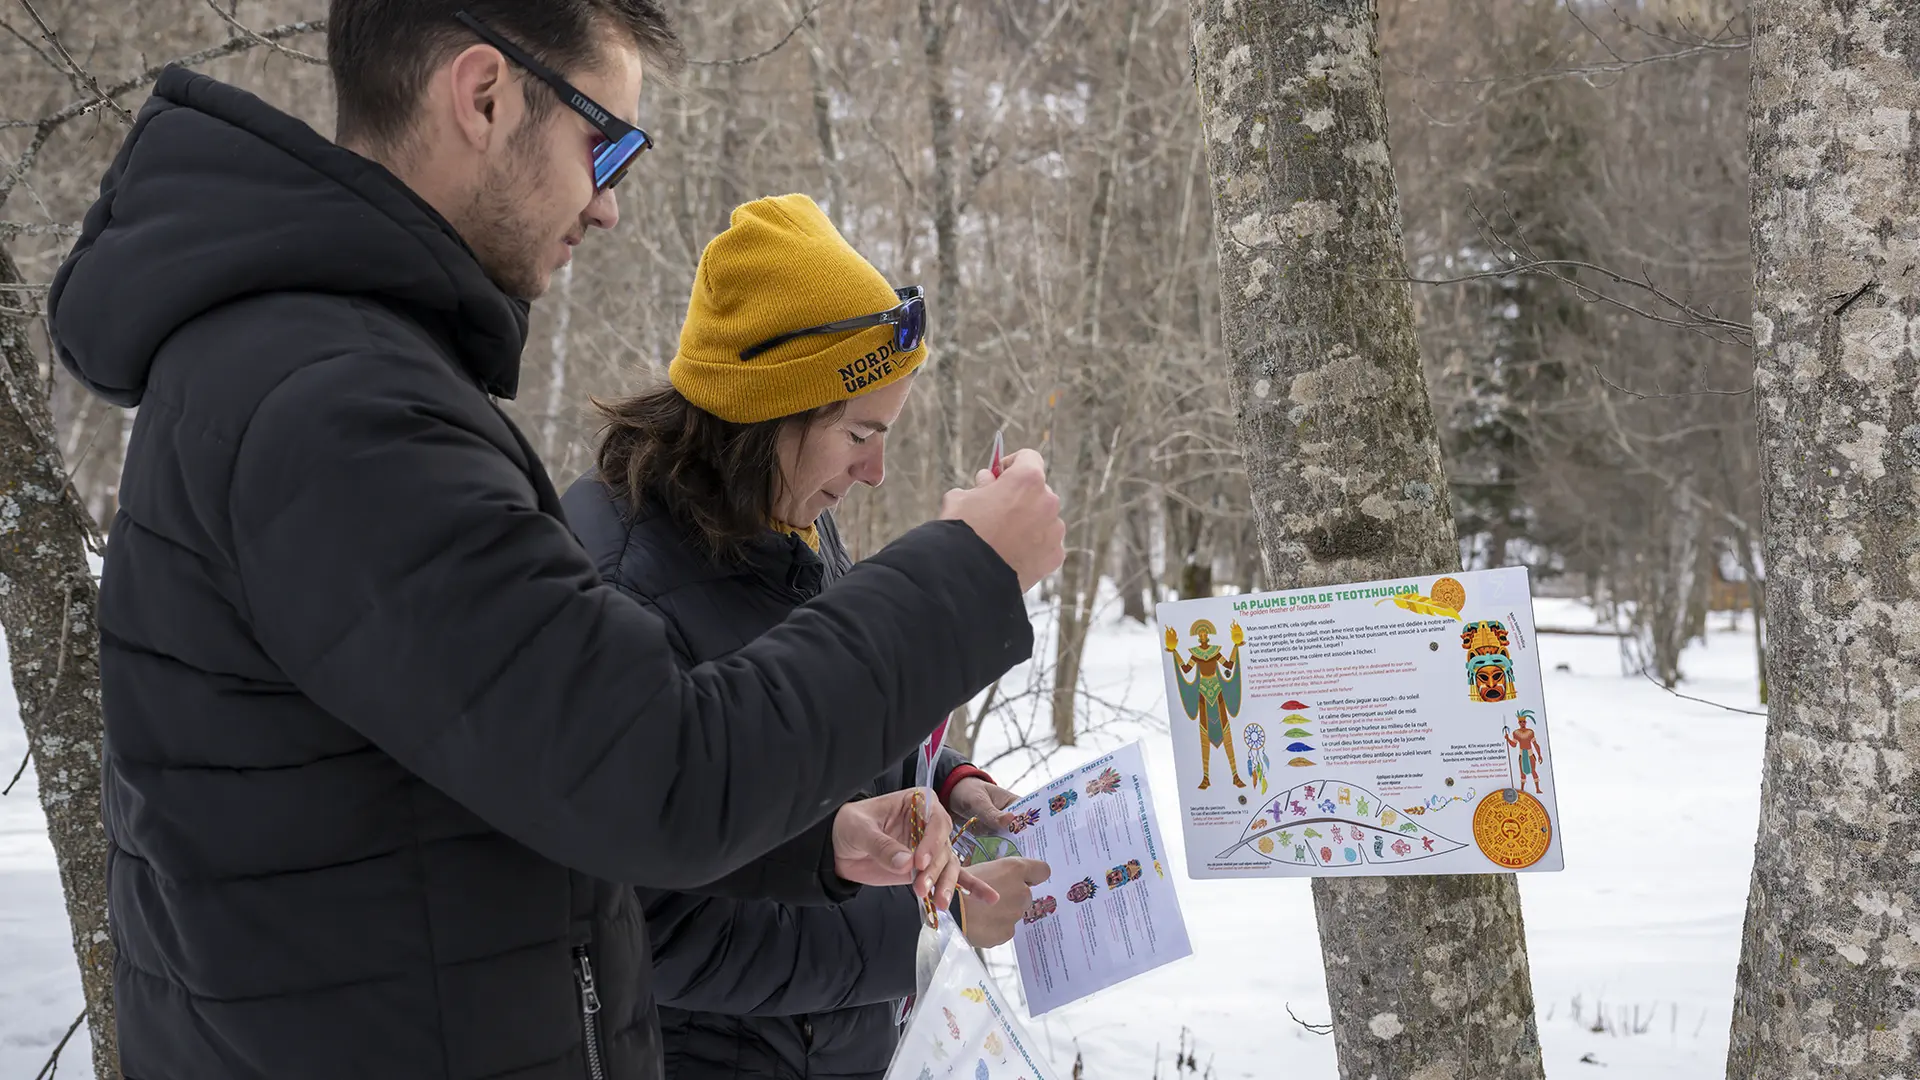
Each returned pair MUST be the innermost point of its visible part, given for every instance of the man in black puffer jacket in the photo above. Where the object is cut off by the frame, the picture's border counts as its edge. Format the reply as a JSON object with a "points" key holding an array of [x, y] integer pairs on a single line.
{"points": [[379, 742]]}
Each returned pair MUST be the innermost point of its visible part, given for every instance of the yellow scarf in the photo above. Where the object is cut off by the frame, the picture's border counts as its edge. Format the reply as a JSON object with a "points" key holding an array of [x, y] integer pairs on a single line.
{"points": [[809, 536]]}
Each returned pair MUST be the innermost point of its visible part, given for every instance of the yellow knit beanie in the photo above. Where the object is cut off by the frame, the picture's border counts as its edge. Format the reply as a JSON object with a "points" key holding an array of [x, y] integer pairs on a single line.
{"points": [[782, 266]]}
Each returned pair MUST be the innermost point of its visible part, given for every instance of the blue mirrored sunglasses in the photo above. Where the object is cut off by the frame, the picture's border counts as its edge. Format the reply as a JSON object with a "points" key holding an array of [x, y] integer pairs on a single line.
{"points": [[620, 142], [908, 319]]}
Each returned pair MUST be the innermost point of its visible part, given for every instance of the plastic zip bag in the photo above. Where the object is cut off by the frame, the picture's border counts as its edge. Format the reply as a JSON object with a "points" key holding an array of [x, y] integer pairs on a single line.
{"points": [[962, 1027]]}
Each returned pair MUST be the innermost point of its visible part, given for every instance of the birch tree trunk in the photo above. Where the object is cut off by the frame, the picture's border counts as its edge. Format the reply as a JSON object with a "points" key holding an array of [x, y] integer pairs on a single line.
{"points": [[944, 306], [1829, 981], [47, 602], [1427, 976]]}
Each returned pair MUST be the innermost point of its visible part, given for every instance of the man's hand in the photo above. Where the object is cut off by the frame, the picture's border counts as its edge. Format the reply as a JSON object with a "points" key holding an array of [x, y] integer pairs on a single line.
{"points": [[990, 924], [973, 797], [872, 845], [1017, 514]]}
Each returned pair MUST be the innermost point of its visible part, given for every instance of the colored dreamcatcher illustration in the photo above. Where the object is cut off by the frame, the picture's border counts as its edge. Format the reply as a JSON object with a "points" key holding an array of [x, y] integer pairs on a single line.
{"points": [[1257, 763]]}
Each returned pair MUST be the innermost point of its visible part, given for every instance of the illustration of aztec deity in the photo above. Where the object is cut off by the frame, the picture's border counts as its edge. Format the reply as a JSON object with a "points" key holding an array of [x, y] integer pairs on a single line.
{"points": [[1489, 664], [1212, 696], [1082, 891], [1041, 907], [1059, 803], [1120, 875]]}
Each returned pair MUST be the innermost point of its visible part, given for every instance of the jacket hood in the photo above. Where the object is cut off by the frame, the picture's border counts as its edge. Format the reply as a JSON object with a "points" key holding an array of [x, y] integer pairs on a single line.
{"points": [[654, 551], [216, 196]]}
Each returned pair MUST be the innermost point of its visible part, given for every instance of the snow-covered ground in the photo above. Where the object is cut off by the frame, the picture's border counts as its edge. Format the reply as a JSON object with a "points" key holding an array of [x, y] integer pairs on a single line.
{"points": [[1658, 800]]}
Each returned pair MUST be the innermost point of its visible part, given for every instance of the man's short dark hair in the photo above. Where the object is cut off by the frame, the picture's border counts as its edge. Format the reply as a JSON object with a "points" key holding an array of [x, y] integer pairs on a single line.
{"points": [[382, 51]]}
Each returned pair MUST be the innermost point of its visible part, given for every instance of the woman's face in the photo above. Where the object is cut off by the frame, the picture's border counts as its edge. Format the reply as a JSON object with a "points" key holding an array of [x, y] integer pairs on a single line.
{"points": [[820, 462]]}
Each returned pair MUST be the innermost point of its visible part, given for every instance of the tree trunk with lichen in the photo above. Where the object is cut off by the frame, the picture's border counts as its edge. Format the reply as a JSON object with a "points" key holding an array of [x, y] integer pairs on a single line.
{"points": [[1427, 976], [47, 599], [1829, 979]]}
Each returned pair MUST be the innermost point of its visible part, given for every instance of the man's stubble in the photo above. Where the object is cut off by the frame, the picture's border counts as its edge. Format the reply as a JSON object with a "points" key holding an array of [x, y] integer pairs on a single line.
{"points": [[508, 242]]}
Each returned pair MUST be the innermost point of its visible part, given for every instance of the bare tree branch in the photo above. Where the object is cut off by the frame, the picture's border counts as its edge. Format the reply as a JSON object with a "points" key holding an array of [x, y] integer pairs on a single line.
{"points": [[762, 54], [1696, 319], [34, 46], [214, 52], [1494, 86], [1655, 34], [1685, 393], [236, 44], [1616, 66], [249, 33], [46, 125], [25, 758], [10, 229], [53, 1061], [1573, 13], [82, 78], [1317, 1029], [1644, 673]]}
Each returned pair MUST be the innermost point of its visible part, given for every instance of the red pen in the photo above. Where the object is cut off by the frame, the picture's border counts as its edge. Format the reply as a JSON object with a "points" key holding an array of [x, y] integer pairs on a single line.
{"points": [[999, 446]]}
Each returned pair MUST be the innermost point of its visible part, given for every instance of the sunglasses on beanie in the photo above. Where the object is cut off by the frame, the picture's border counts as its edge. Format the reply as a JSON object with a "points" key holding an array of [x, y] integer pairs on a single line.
{"points": [[620, 142], [908, 319]]}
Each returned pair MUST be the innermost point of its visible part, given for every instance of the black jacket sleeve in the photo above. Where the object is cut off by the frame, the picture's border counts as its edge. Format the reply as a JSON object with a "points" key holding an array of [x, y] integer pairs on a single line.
{"points": [[397, 565], [755, 958], [799, 871]]}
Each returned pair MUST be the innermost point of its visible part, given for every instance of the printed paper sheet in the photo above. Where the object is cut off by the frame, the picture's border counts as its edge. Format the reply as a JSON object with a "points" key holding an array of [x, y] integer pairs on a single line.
{"points": [[1109, 911]]}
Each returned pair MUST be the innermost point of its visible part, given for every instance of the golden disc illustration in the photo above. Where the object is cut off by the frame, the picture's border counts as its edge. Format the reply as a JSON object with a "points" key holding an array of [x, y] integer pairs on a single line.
{"points": [[1513, 834], [1450, 592]]}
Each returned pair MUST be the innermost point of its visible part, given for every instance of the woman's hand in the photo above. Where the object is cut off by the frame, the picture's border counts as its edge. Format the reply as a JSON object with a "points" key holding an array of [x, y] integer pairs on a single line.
{"points": [[873, 845], [974, 797], [990, 924]]}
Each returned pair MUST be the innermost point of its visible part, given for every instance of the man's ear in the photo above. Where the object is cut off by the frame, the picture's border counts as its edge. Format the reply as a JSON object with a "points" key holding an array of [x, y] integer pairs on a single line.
{"points": [[483, 98]]}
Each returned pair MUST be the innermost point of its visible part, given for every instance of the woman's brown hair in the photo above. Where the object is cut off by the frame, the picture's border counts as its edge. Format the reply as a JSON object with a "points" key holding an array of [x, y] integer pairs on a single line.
{"points": [[716, 477]]}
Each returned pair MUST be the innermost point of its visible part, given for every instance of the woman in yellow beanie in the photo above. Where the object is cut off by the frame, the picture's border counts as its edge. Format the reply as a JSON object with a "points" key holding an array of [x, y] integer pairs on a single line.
{"points": [[712, 503], [795, 358]]}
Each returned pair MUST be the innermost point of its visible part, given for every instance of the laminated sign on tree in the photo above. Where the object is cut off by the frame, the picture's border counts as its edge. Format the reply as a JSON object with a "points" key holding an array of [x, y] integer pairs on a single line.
{"points": [[1414, 721]]}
